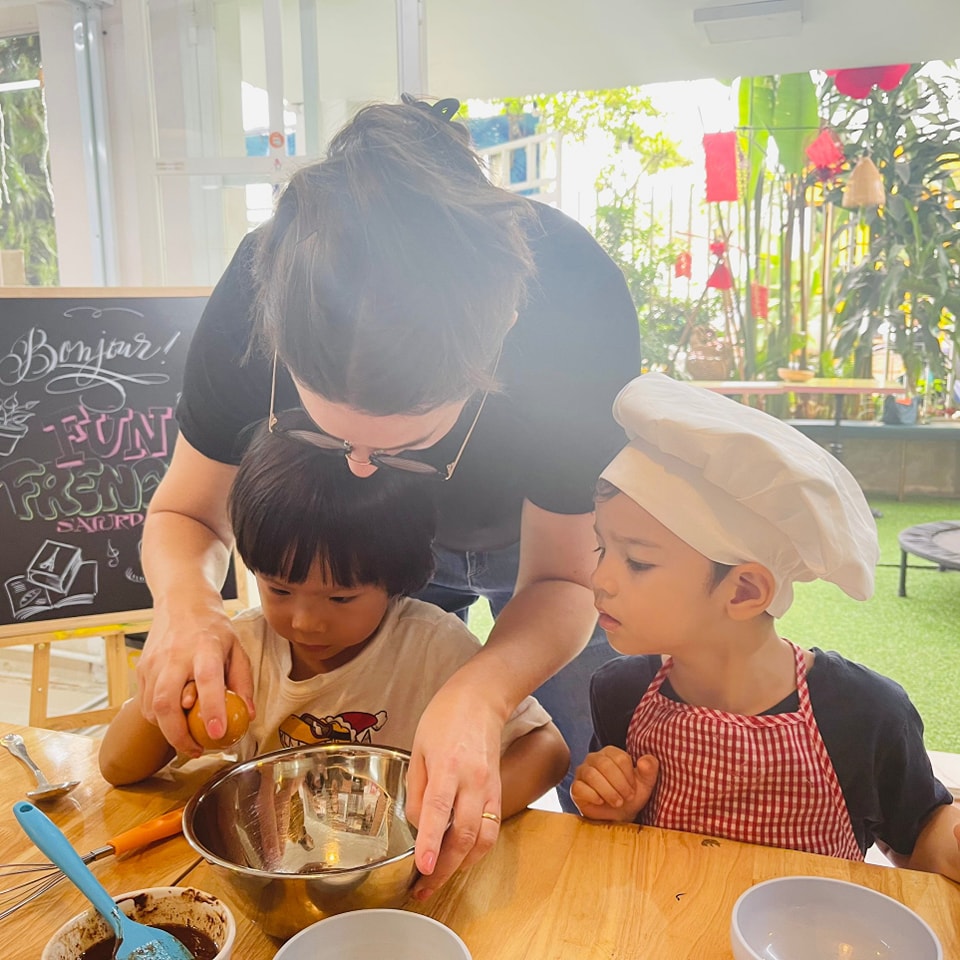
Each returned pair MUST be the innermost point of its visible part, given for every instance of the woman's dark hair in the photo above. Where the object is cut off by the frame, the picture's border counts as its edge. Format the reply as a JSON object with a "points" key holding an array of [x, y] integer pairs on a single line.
{"points": [[605, 490], [392, 269], [292, 505]]}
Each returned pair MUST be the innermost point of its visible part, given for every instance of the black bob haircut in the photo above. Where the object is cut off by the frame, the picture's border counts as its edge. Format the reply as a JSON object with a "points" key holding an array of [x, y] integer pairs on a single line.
{"points": [[292, 505]]}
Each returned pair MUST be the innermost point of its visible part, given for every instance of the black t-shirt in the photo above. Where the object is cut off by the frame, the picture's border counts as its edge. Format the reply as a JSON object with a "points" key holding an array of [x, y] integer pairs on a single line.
{"points": [[545, 438], [871, 730]]}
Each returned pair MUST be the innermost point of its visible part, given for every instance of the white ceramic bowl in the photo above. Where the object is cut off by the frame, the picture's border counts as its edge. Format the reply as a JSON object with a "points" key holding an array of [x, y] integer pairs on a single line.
{"points": [[186, 906], [813, 918], [369, 934]]}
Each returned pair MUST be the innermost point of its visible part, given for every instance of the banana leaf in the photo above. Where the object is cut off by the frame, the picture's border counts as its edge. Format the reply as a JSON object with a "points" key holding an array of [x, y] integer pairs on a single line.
{"points": [[796, 120]]}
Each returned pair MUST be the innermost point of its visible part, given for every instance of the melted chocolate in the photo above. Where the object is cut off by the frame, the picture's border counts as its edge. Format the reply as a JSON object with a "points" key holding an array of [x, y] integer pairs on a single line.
{"points": [[199, 944]]}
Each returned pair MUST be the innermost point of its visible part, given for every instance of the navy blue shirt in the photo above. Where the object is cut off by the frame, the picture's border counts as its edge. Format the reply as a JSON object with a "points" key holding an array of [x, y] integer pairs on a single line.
{"points": [[871, 730]]}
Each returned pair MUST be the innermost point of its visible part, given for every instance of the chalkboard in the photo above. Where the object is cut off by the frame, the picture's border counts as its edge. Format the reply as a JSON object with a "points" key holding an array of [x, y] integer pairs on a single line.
{"points": [[89, 382]]}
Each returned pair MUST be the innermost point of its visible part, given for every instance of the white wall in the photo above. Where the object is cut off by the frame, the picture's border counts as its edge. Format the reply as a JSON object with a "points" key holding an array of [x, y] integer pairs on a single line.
{"points": [[514, 47]]}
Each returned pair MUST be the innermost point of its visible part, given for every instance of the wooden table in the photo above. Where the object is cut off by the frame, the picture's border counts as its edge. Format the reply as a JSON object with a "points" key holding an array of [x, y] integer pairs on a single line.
{"points": [[837, 387], [554, 888], [89, 815]]}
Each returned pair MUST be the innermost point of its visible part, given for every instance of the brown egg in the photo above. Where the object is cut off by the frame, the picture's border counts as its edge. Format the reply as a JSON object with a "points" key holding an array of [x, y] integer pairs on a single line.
{"points": [[238, 719]]}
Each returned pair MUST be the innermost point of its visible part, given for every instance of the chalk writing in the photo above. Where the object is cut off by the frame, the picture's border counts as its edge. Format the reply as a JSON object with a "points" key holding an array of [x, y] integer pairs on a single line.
{"points": [[83, 367], [88, 388], [33, 490], [128, 434], [100, 524]]}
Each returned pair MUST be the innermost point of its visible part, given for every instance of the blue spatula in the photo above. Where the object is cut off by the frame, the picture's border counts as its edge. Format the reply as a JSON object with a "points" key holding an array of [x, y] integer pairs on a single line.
{"points": [[137, 941]]}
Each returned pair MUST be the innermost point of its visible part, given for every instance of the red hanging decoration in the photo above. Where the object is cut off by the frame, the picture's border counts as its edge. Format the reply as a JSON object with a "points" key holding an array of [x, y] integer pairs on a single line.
{"points": [[720, 279], [683, 265], [721, 166], [760, 301], [826, 154], [857, 82], [718, 248]]}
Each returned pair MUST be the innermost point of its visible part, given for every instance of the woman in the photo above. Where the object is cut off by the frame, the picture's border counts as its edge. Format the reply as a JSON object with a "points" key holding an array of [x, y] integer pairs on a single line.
{"points": [[401, 311]]}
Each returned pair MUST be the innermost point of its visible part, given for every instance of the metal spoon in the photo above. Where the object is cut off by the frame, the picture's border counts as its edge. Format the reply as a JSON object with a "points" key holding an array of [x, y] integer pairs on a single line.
{"points": [[45, 790], [135, 941]]}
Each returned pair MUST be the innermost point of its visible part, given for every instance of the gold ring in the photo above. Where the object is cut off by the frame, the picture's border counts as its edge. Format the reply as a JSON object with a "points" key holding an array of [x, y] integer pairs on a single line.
{"points": [[489, 815]]}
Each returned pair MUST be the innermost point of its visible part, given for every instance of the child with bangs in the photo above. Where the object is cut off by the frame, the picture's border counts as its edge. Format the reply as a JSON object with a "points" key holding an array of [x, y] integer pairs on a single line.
{"points": [[340, 650]]}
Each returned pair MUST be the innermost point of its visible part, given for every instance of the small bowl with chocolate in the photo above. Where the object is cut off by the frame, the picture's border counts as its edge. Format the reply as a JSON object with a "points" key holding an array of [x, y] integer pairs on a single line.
{"points": [[201, 922]]}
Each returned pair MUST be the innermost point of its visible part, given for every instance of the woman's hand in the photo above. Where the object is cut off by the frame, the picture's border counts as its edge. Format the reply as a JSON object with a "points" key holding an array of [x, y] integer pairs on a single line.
{"points": [[609, 786], [194, 643], [185, 556], [454, 772]]}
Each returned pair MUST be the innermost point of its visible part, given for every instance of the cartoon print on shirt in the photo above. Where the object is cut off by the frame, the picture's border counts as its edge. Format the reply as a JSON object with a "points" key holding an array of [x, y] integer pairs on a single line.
{"points": [[348, 727]]}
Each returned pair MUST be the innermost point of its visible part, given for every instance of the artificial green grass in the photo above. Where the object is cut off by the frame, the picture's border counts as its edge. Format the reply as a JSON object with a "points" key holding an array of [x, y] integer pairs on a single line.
{"points": [[915, 640]]}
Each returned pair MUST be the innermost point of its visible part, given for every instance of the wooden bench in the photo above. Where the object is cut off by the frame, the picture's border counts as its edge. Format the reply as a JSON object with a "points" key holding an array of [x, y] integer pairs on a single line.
{"points": [[921, 459]]}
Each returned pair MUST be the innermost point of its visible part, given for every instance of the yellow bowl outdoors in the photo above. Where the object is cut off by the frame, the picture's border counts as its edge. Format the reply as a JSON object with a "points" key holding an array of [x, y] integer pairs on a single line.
{"points": [[794, 376]]}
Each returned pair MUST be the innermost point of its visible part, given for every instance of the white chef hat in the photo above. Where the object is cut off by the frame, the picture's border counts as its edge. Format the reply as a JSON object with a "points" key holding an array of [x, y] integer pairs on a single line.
{"points": [[738, 486]]}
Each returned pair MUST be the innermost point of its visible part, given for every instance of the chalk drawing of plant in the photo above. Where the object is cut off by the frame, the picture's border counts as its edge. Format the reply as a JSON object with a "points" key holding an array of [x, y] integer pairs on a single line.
{"points": [[13, 422]]}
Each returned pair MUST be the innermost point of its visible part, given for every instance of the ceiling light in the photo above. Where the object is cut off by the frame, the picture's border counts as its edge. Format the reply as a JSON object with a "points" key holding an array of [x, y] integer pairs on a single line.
{"points": [[758, 20]]}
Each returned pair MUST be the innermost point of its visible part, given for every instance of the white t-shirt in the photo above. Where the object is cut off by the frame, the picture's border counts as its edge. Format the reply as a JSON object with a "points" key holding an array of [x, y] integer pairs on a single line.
{"points": [[376, 698]]}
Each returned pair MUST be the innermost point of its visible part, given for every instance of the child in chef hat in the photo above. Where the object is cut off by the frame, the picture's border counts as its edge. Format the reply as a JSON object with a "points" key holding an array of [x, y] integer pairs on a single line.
{"points": [[712, 722]]}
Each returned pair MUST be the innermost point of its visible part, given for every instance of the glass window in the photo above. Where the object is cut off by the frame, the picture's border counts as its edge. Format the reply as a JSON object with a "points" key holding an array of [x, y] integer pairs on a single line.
{"points": [[28, 241], [244, 91]]}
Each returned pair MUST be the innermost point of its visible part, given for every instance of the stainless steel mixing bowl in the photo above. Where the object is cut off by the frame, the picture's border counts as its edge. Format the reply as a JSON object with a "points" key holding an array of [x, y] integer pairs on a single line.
{"points": [[304, 833]]}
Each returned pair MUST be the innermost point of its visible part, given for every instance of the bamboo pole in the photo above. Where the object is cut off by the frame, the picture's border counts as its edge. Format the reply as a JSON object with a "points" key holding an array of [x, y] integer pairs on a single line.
{"points": [[826, 291]]}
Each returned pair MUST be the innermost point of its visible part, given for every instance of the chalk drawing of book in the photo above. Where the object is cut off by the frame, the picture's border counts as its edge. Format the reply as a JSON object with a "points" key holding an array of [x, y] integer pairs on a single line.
{"points": [[57, 576]]}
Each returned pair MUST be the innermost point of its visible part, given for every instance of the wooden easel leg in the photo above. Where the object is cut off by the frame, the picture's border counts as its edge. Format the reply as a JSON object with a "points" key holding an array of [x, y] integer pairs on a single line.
{"points": [[40, 685], [116, 659]]}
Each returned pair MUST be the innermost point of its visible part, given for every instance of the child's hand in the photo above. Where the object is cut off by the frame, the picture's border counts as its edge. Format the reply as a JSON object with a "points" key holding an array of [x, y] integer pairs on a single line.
{"points": [[608, 786]]}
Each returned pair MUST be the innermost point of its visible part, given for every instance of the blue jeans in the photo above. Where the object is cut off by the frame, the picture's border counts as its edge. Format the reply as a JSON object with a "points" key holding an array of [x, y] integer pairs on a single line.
{"points": [[460, 579]]}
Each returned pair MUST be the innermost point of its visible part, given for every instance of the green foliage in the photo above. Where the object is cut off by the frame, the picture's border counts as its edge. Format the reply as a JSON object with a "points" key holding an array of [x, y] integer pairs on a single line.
{"points": [[756, 97], [26, 202], [795, 121], [619, 113], [784, 110], [646, 261], [910, 276]]}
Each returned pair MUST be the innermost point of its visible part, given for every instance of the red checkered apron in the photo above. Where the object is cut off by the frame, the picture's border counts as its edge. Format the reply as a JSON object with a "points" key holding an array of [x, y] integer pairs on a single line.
{"points": [[766, 780]]}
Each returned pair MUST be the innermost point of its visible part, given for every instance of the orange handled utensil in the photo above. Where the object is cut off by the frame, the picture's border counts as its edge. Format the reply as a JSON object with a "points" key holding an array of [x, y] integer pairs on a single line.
{"points": [[40, 877], [136, 838]]}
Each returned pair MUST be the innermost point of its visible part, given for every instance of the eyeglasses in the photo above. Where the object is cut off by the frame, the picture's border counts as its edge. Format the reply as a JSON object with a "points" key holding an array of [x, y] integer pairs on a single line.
{"points": [[297, 425]]}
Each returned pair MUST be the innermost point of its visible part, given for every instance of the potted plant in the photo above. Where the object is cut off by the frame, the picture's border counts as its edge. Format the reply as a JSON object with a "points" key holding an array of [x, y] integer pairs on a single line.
{"points": [[13, 422], [908, 274]]}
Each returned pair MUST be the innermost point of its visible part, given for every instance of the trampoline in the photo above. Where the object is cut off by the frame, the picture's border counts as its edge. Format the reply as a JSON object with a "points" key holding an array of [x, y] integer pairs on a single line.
{"points": [[938, 542]]}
